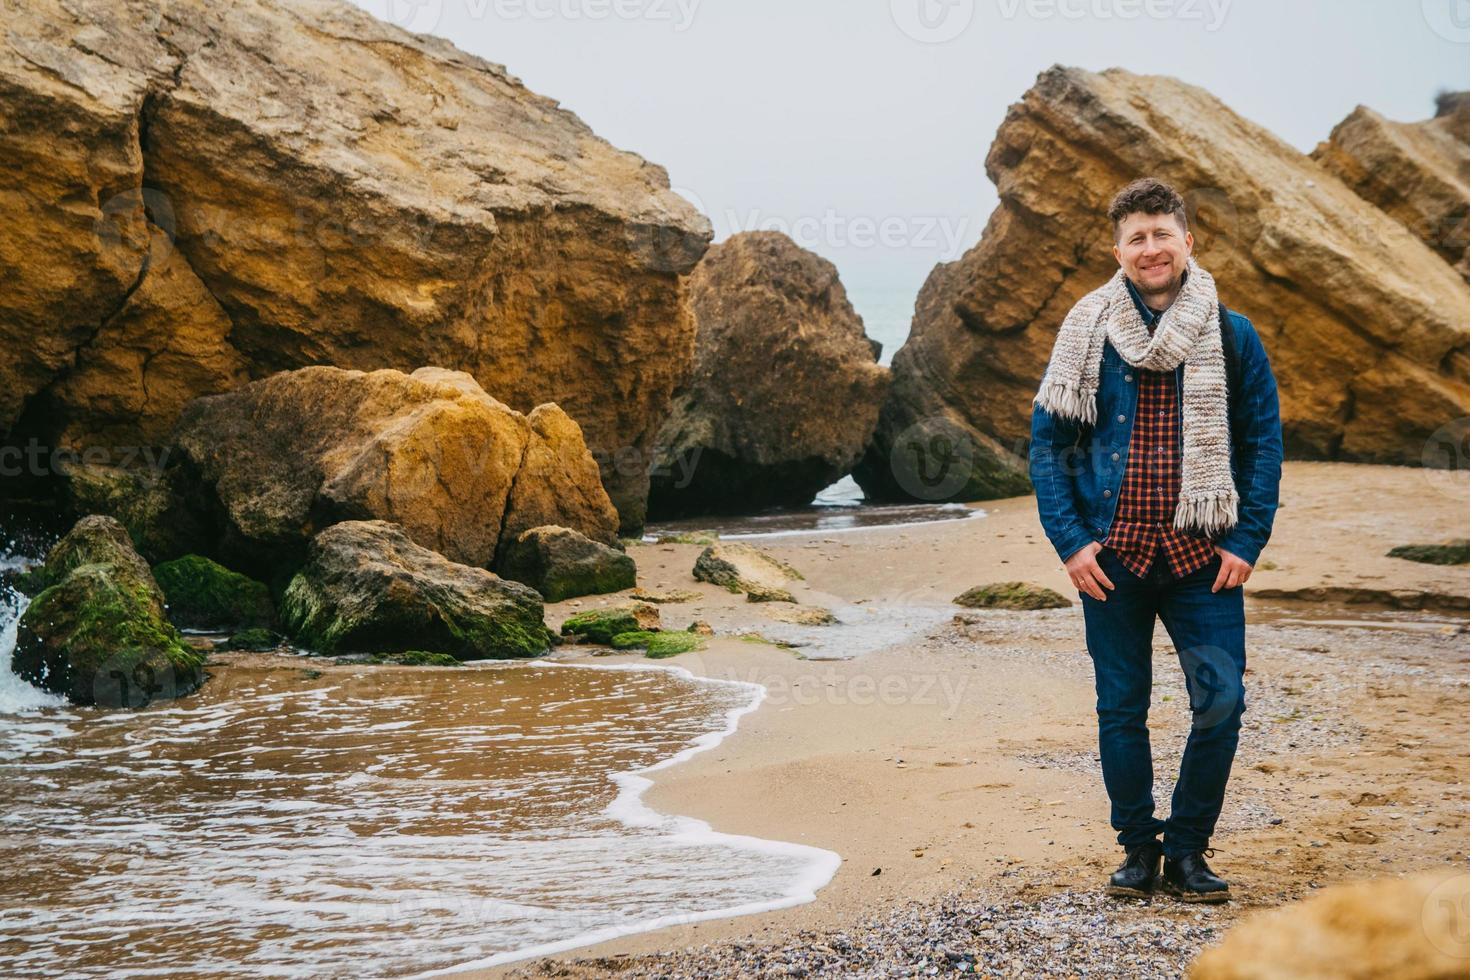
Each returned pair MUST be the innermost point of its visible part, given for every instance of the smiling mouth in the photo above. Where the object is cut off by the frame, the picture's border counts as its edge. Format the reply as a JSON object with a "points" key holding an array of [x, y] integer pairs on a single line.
{"points": [[1162, 266]]}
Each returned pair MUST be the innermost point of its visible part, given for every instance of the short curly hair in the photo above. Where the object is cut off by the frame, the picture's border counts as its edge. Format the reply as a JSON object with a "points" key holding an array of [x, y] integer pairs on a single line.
{"points": [[1148, 195]]}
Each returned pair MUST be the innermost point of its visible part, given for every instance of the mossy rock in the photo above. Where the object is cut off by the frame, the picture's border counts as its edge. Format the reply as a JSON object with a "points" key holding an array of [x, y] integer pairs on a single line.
{"points": [[148, 501], [203, 594], [1012, 595], [659, 645], [745, 568], [601, 625], [255, 640], [367, 588], [759, 592], [97, 632], [1449, 553], [689, 537], [562, 563], [94, 540], [415, 658]]}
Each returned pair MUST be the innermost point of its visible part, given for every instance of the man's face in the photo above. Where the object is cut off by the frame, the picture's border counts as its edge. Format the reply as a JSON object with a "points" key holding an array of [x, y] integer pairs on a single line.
{"points": [[1153, 251]]}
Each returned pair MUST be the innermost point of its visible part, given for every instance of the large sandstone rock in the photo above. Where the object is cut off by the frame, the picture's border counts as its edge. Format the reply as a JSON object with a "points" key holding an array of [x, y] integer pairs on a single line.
{"points": [[367, 588], [96, 631], [431, 452], [1368, 330], [785, 390], [1387, 929], [339, 191], [1417, 172]]}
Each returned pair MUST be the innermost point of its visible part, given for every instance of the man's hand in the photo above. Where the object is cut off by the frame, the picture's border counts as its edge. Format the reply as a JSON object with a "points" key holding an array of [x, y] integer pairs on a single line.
{"points": [[1086, 574], [1233, 571]]}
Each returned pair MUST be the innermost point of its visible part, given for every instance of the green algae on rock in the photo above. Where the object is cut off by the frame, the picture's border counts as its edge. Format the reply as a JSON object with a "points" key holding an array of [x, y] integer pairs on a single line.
{"points": [[1450, 553], [415, 658], [659, 644], [254, 640], [367, 588], [1011, 595], [203, 594], [601, 625], [96, 631]]}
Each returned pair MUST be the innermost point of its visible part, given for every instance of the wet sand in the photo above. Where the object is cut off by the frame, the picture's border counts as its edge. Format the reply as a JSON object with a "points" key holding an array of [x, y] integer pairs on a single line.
{"points": [[960, 757]]}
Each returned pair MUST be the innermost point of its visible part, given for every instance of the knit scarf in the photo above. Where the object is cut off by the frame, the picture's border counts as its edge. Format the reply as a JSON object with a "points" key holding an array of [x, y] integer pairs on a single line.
{"points": [[1188, 331]]}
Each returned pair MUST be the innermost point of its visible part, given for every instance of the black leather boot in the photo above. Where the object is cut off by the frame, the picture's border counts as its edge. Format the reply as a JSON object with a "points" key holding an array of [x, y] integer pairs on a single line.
{"points": [[1139, 872], [1190, 878]]}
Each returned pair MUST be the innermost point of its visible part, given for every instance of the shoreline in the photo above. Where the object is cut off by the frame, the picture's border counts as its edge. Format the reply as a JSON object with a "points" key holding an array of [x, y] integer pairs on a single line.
{"points": [[992, 717], [629, 809]]}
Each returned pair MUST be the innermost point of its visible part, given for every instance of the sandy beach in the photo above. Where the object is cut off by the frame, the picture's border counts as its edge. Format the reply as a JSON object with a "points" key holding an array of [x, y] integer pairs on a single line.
{"points": [[958, 762]]}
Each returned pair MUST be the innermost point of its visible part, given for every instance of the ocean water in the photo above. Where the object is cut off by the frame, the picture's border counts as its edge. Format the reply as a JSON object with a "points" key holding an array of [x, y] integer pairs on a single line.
{"points": [[335, 820], [887, 313]]}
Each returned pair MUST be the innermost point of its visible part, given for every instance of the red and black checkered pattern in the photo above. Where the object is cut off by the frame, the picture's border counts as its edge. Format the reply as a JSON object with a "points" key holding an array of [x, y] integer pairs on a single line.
{"points": [[1144, 521]]}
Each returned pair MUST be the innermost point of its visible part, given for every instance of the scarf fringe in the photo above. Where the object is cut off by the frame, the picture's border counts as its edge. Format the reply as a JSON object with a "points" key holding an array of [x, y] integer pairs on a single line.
{"points": [[1207, 513], [1068, 401]]}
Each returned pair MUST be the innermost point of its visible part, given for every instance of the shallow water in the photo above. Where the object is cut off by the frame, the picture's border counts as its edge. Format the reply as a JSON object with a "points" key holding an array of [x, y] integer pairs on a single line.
{"points": [[368, 821], [840, 507]]}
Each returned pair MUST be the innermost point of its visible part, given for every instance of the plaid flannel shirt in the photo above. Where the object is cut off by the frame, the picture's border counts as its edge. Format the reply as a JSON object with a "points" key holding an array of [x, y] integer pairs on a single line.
{"points": [[1144, 522]]}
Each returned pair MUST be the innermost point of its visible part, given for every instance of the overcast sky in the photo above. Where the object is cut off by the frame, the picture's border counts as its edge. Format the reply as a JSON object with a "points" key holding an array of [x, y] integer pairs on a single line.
{"points": [[838, 119]]}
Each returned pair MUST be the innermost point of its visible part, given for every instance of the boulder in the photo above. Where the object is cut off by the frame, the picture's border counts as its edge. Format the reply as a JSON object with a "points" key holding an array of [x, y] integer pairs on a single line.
{"points": [[1418, 172], [1354, 313], [660, 644], [1386, 929], [745, 568], [561, 563], [1011, 595], [254, 640], [329, 189], [96, 631], [202, 594], [558, 483], [601, 625], [785, 389], [367, 587], [430, 452], [804, 615], [148, 498], [1450, 553]]}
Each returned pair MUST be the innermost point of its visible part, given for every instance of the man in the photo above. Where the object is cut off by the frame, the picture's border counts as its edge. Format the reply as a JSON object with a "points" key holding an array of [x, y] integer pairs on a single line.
{"points": [[1156, 458]]}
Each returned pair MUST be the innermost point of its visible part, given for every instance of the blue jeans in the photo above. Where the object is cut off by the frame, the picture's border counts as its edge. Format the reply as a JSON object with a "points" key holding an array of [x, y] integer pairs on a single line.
{"points": [[1208, 630]]}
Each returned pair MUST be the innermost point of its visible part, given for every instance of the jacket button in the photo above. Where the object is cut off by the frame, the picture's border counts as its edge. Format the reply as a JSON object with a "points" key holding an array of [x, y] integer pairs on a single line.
{"points": [[1107, 493], [1127, 377], [1115, 456], [1122, 418]]}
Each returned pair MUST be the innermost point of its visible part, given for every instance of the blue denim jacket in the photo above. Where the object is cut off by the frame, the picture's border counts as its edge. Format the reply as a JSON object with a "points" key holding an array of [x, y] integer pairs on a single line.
{"points": [[1077, 469]]}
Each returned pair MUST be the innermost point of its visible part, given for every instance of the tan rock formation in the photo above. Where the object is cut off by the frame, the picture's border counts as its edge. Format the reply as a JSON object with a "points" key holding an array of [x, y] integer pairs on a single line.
{"points": [[431, 452], [1368, 330], [348, 194], [1417, 172], [785, 390], [1388, 929]]}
